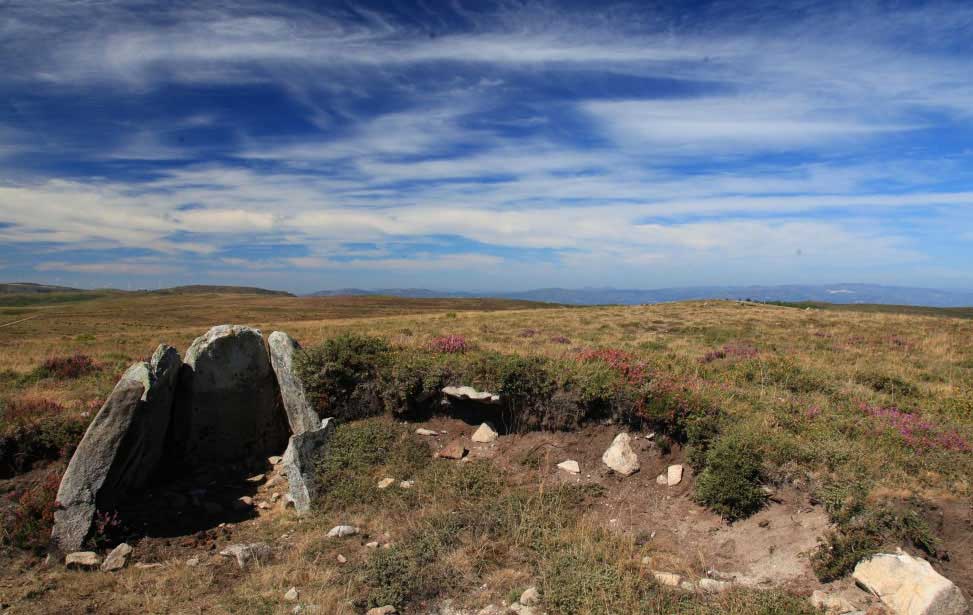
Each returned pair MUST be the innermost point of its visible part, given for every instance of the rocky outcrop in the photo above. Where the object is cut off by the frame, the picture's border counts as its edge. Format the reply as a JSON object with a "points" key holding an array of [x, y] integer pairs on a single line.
{"points": [[227, 407], [300, 416], [468, 393], [303, 451], [121, 448], [620, 457], [909, 585]]}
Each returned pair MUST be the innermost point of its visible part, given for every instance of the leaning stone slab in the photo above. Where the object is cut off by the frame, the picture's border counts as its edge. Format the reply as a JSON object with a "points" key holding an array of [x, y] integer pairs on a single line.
{"points": [[246, 554], [300, 415], [467, 393], [117, 558], [909, 585], [303, 451], [227, 407], [121, 448]]}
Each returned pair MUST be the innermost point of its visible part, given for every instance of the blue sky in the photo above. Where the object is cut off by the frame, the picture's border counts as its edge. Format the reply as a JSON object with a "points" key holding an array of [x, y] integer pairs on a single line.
{"points": [[480, 146]]}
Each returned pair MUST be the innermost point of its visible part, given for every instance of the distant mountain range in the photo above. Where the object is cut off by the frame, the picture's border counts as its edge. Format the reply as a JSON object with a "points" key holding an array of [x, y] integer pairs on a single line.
{"points": [[830, 293], [30, 288]]}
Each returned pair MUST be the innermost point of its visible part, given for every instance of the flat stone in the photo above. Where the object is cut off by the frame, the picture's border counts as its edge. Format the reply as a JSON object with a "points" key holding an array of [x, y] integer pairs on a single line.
{"points": [[117, 557], [247, 554], [120, 450], [82, 559], [341, 531], [570, 466], [144, 566], [292, 595], [382, 610], [303, 452], [674, 475], [453, 450], [275, 460], [832, 604], [530, 597], [385, 483], [620, 457], [300, 416], [192, 562], [713, 586], [371, 545], [468, 393], [243, 503], [909, 585], [422, 431], [662, 479], [341, 559], [485, 434], [256, 478], [407, 484], [669, 579]]}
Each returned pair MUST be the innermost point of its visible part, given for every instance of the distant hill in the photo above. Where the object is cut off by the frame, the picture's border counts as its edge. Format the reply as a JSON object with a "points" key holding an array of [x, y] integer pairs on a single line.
{"points": [[830, 293], [29, 288], [197, 289]]}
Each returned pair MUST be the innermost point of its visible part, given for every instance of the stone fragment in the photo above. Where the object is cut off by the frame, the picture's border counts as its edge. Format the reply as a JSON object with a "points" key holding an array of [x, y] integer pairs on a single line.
{"points": [[192, 562], [422, 431], [342, 559], [227, 407], [256, 478], [292, 595], [570, 466], [121, 448], [385, 483], [243, 503], [830, 603], [303, 452], [467, 393], [274, 460], [453, 450], [341, 531], [620, 457], [485, 434], [371, 545], [674, 475], [713, 586], [117, 557], [82, 559], [300, 416], [246, 554], [407, 484], [144, 566], [662, 479], [530, 597], [909, 585], [382, 610], [669, 579]]}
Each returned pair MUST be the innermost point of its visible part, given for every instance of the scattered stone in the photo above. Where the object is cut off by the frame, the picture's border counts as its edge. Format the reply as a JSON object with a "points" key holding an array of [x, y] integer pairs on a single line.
{"points": [[832, 604], [256, 478], [192, 562], [521, 609], [485, 434], [341, 531], [422, 431], [620, 457], [453, 450], [909, 585], [467, 393], [121, 448], [669, 579], [226, 408], [713, 586], [342, 559], [144, 566], [407, 484], [371, 545], [385, 483], [662, 479], [674, 475], [243, 503], [245, 554], [117, 557], [82, 559], [263, 506], [276, 459], [570, 466], [530, 597], [382, 610], [300, 416], [274, 496], [303, 451], [650, 435], [292, 595], [688, 586]]}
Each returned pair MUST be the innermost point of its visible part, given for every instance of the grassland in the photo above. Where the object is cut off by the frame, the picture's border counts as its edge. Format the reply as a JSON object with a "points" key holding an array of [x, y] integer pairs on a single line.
{"points": [[872, 401]]}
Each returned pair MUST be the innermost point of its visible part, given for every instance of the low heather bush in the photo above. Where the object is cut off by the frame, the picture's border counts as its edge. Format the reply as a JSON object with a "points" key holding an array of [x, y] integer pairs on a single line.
{"points": [[67, 368], [33, 430], [450, 344], [918, 433], [29, 522]]}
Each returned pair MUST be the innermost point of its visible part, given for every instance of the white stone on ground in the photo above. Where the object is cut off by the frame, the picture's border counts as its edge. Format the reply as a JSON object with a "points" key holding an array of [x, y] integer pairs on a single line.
{"points": [[674, 475], [385, 483], [620, 457], [292, 595], [422, 431], [485, 434], [832, 604], [82, 559], [669, 579], [340, 531], [530, 597], [570, 466], [117, 558], [909, 585]]}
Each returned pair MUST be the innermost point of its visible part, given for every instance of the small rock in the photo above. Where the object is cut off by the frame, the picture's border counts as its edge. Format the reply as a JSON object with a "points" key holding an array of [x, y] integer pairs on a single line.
{"points": [[422, 431], [385, 483], [382, 610], [263, 506], [674, 475], [521, 609], [669, 579], [258, 552], [570, 466], [117, 558], [292, 595], [830, 603], [192, 562], [650, 435], [82, 559], [713, 586], [342, 559], [340, 531], [371, 545], [144, 566], [407, 484], [620, 457], [453, 450], [243, 503], [276, 459], [485, 434], [274, 496], [662, 479], [257, 478], [530, 597], [688, 586]]}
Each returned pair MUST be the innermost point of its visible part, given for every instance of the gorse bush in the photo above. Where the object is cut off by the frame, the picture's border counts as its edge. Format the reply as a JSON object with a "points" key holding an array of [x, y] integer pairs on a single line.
{"points": [[730, 483]]}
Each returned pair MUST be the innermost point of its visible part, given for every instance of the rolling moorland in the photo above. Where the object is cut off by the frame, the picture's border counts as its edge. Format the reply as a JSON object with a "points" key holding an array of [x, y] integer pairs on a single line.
{"points": [[811, 436]]}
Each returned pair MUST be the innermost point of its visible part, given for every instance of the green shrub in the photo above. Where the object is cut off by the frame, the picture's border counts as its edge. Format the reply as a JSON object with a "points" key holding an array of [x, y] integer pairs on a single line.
{"points": [[33, 430], [730, 484], [783, 372], [884, 383], [341, 376]]}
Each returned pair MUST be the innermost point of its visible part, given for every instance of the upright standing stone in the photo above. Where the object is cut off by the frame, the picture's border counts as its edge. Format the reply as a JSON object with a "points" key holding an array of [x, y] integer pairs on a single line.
{"points": [[620, 457], [300, 415], [227, 407], [121, 448], [303, 452]]}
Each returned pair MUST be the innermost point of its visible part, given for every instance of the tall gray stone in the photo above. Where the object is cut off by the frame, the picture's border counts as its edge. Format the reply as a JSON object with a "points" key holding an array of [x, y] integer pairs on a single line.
{"points": [[121, 448], [300, 415], [227, 408], [302, 454]]}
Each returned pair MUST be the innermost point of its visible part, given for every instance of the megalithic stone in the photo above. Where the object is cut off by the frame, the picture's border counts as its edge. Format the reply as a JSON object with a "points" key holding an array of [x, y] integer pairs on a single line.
{"points": [[300, 415]]}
